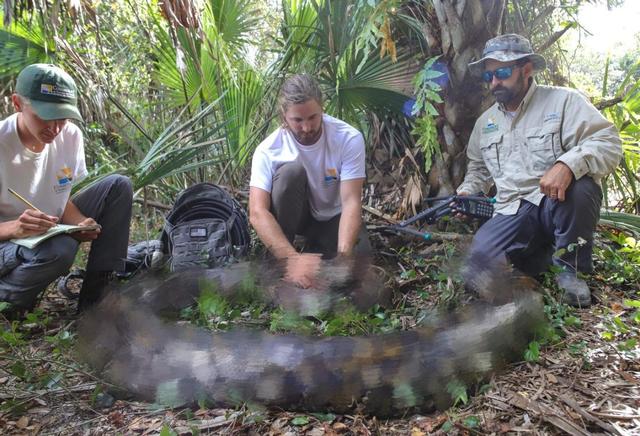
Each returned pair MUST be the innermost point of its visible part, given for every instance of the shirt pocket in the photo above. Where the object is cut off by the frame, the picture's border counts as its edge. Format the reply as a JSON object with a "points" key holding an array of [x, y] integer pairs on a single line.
{"points": [[543, 146], [492, 148]]}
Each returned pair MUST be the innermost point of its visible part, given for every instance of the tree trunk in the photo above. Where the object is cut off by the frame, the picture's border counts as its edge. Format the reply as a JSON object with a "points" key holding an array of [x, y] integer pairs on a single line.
{"points": [[465, 26]]}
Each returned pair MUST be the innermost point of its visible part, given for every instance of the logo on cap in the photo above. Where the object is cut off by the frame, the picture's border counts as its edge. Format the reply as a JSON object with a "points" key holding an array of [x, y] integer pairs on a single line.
{"points": [[48, 89]]}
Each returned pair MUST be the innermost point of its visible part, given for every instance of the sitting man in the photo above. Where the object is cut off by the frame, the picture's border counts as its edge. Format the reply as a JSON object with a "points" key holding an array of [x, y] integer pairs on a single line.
{"points": [[306, 179], [546, 149], [41, 157]]}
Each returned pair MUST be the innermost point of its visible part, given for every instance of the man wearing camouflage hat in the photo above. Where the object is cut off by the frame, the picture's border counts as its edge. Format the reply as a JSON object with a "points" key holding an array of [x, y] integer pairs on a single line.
{"points": [[41, 158], [545, 149]]}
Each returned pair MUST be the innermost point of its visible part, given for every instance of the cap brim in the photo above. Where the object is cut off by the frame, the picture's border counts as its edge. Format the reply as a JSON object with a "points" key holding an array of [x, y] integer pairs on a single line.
{"points": [[538, 61], [55, 111]]}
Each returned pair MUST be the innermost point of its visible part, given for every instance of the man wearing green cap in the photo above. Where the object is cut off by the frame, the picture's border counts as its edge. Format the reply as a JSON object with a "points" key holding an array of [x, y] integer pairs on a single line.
{"points": [[41, 158], [545, 149]]}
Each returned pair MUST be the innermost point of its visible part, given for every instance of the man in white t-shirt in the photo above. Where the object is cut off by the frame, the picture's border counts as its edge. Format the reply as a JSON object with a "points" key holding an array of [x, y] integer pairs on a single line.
{"points": [[41, 158], [307, 179]]}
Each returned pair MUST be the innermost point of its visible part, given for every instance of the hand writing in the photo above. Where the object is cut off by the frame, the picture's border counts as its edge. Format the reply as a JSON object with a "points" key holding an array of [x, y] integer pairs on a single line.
{"points": [[33, 222]]}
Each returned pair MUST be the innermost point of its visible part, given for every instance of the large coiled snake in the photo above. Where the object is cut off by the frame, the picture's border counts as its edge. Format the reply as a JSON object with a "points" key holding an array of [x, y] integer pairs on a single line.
{"points": [[126, 339]]}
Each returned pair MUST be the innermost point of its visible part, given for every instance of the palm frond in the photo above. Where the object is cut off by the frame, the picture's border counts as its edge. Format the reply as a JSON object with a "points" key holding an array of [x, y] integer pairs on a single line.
{"points": [[620, 220], [176, 148], [21, 46]]}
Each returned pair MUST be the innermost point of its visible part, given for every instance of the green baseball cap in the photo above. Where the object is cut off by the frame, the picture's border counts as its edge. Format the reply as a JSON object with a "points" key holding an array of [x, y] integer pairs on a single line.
{"points": [[52, 92]]}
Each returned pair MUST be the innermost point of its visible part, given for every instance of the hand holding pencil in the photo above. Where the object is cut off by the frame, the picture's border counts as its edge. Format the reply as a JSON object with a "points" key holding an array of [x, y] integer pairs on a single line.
{"points": [[32, 221]]}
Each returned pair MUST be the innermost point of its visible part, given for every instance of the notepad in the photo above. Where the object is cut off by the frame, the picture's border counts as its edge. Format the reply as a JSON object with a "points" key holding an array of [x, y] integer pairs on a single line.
{"points": [[33, 241]]}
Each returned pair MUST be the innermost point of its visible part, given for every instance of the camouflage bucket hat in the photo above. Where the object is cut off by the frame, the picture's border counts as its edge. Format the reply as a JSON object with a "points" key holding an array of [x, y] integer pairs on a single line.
{"points": [[507, 48]]}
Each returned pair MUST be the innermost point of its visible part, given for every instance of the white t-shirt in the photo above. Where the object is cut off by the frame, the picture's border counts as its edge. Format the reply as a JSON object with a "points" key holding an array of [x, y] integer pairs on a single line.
{"points": [[44, 178], [337, 156]]}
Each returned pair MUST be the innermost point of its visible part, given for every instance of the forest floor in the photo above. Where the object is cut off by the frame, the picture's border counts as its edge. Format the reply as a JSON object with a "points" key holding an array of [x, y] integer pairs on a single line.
{"points": [[585, 380]]}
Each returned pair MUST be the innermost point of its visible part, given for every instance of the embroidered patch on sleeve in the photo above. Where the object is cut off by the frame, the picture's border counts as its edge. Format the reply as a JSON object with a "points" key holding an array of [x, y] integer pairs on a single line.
{"points": [[490, 127]]}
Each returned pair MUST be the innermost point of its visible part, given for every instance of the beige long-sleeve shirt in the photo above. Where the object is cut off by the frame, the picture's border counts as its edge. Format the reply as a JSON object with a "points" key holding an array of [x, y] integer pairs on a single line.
{"points": [[515, 150]]}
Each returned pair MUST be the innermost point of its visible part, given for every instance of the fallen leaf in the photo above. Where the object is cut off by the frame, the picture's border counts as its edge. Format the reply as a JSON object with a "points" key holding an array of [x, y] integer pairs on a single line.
{"points": [[573, 414], [617, 307], [431, 424], [415, 431], [34, 428], [339, 427], [505, 427], [628, 377], [316, 431], [23, 422], [279, 424], [201, 412], [328, 430], [116, 418]]}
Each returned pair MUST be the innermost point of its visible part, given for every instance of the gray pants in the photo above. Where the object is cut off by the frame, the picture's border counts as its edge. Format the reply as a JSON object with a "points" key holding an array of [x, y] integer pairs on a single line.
{"points": [[25, 273], [529, 238], [290, 206]]}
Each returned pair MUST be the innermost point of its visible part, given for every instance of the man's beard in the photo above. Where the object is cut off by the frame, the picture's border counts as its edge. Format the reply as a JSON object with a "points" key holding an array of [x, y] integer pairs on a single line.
{"points": [[503, 95], [308, 138]]}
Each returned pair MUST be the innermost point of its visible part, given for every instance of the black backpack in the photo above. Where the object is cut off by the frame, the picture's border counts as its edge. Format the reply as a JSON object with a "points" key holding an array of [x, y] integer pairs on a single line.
{"points": [[206, 228]]}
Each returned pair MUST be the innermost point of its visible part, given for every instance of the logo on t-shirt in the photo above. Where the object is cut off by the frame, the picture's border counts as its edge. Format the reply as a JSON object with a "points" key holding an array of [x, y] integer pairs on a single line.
{"points": [[330, 176], [65, 177]]}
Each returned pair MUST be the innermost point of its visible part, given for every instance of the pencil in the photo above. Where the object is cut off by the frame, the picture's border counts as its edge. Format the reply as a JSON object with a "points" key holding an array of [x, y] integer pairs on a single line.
{"points": [[24, 200]]}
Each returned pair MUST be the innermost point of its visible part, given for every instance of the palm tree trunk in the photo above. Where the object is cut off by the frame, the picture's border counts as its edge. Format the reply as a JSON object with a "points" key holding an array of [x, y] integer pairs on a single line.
{"points": [[464, 26]]}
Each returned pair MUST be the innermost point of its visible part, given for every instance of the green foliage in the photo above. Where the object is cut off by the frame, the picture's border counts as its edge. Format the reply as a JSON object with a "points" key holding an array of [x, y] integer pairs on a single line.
{"points": [[347, 322], [458, 392], [626, 117], [426, 89], [324, 417], [12, 337], [299, 421], [532, 353], [61, 341], [174, 152], [285, 321], [23, 44], [167, 431], [471, 422], [211, 303], [619, 261], [620, 220]]}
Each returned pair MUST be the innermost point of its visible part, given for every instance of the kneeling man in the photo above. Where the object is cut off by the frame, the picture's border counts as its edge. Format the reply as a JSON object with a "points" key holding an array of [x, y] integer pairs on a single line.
{"points": [[307, 179]]}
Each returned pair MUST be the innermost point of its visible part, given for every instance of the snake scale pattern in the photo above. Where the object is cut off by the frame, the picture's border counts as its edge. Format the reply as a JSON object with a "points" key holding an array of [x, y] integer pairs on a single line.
{"points": [[128, 339]]}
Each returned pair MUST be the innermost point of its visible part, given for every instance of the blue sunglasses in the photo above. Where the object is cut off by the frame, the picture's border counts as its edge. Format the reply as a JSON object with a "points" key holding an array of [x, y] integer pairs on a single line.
{"points": [[501, 73]]}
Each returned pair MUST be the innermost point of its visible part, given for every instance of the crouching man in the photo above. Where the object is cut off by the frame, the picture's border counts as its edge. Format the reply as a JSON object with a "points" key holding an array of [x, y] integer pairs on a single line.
{"points": [[546, 149], [41, 158], [307, 179]]}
